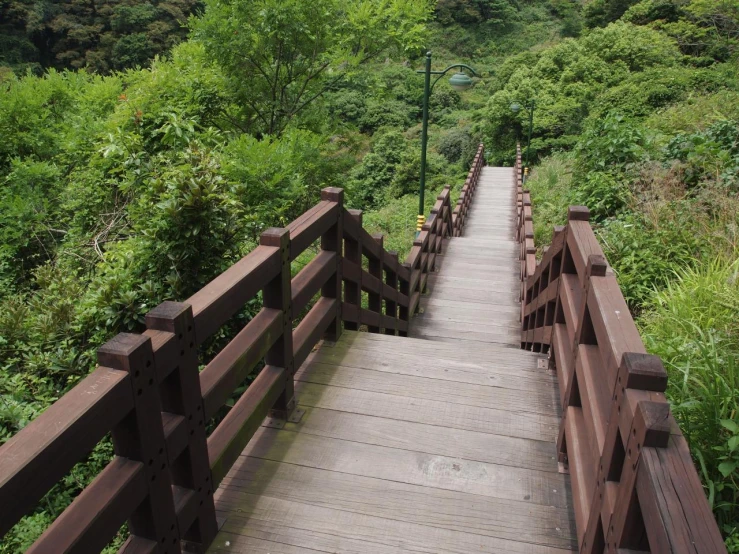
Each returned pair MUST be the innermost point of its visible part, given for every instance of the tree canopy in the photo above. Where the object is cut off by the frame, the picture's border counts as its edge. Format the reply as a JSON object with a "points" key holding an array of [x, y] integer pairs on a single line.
{"points": [[100, 35], [280, 55]]}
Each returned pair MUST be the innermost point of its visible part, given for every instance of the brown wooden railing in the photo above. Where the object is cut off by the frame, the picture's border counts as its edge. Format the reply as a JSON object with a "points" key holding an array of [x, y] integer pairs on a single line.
{"points": [[149, 394], [634, 485]]}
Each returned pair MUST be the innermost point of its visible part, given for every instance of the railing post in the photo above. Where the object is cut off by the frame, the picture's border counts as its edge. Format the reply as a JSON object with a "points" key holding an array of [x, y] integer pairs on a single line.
{"points": [[180, 394], [430, 228], [375, 269], [404, 288], [140, 437], [420, 266], [459, 210], [353, 253], [446, 213], [619, 462], [391, 307], [331, 241], [278, 296]]}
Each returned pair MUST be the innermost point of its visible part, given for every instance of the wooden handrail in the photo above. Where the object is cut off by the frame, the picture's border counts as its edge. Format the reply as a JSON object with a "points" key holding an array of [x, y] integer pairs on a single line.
{"points": [[149, 393], [634, 485]]}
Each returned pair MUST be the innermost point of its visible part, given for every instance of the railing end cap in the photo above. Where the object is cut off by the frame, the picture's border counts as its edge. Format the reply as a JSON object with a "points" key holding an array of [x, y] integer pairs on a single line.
{"points": [[578, 213], [333, 194], [278, 237]]}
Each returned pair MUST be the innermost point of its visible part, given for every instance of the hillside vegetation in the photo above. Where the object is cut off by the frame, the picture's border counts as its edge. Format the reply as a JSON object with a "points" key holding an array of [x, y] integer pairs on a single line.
{"points": [[134, 169]]}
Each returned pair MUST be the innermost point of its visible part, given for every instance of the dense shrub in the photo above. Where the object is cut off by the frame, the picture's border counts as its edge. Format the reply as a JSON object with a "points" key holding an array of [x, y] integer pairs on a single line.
{"points": [[456, 145], [565, 82], [349, 105], [387, 113], [709, 155]]}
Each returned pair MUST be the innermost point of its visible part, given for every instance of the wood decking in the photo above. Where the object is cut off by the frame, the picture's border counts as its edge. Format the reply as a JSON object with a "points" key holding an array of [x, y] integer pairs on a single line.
{"points": [[442, 442]]}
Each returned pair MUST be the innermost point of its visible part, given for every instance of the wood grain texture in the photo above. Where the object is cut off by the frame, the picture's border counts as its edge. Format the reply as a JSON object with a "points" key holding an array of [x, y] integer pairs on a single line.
{"points": [[427, 439], [438, 414], [536, 401], [330, 530], [414, 445], [409, 503], [415, 468]]}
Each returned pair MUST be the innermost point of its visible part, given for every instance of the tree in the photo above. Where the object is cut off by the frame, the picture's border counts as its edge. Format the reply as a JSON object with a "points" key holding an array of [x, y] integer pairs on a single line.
{"points": [[475, 11], [600, 13], [281, 55], [99, 35]]}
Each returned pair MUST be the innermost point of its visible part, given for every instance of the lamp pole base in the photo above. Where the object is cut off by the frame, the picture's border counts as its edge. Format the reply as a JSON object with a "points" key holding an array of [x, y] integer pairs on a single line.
{"points": [[420, 220]]}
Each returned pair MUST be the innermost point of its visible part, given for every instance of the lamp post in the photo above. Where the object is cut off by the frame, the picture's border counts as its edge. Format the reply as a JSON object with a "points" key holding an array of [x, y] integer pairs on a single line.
{"points": [[459, 82], [529, 106]]}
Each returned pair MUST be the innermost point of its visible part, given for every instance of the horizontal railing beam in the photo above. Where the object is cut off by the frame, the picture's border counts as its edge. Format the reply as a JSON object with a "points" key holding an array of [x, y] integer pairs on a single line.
{"points": [[42, 453], [225, 295], [229, 439], [237, 360], [98, 512]]}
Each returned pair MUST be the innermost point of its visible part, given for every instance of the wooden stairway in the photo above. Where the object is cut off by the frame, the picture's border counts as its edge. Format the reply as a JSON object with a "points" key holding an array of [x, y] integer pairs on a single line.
{"points": [[474, 294], [414, 445]]}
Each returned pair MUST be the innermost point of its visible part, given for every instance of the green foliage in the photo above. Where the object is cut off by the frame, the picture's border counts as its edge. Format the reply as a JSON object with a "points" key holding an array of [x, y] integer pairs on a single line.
{"points": [[278, 178], [566, 81], [648, 11], [696, 112], [281, 55], [457, 145], [712, 154], [101, 35], [389, 171], [599, 13], [550, 185], [570, 13], [474, 11], [691, 324], [386, 113], [25, 237], [349, 105], [612, 143], [605, 195]]}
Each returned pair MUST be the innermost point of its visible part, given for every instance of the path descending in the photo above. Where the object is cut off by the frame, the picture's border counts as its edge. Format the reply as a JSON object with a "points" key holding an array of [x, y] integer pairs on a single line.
{"points": [[474, 295], [441, 442]]}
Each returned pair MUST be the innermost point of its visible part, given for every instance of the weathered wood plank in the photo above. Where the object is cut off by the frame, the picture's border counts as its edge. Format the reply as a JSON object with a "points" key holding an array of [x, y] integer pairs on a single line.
{"points": [[453, 331], [474, 295], [440, 414], [415, 468], [427, 439], [505, 373], [536, 401], [410, 503], [329, 530], [483, 353]]}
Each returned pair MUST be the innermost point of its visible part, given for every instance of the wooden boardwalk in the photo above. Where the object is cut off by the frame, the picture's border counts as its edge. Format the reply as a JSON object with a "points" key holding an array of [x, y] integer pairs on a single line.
{"points": [[441, 429], [440, 442]]}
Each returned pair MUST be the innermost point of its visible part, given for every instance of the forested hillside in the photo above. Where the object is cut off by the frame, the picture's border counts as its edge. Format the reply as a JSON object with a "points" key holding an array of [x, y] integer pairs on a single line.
{"points": [[145, 146]]}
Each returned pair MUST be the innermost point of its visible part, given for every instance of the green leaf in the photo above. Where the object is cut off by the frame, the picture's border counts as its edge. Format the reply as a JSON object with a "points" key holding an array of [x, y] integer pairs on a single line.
{"points": [[730, 425], [727, 468]]}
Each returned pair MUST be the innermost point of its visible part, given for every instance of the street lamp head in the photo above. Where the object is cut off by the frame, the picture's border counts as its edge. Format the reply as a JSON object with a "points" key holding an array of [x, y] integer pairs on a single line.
{"points": [[515, 107], [460, 82]]}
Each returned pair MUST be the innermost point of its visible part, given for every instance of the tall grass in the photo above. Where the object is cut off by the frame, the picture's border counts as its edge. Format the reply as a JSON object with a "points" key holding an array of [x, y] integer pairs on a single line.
{"points": [[692, 325], [550, 185]]}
